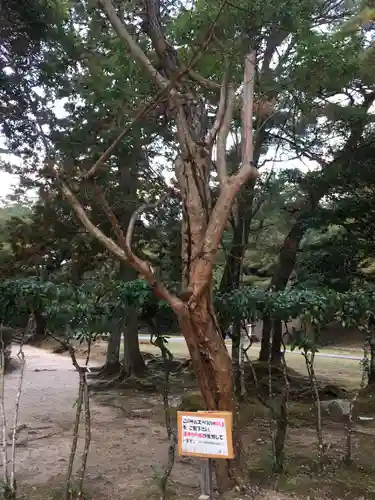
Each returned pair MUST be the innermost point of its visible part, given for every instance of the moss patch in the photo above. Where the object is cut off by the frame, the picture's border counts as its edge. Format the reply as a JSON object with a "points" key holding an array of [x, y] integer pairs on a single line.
{"points": [[191, 401]]}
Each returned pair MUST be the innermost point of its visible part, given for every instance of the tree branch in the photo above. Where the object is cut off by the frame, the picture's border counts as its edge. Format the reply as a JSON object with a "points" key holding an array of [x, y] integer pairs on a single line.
{"points": [[134, 48], [143, 208], [221, 144], [275, 39], [6, 151], [185, 139], [248, 110], [211, 134], [144, 267], [108, 243], [165, 88], [111, 216], [204, 82], [224, 204], [143, 111], [125, 254]]}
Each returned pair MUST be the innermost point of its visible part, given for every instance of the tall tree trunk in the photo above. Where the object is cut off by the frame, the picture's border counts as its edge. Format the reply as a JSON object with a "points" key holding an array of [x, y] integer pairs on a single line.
{"points": [[277, 337], [287, 262], [133, 362], [232, 270], [209, 355], [128, 182], [40, 326], [236, 347], [231, 281], [40, 329], [112, 364], [212, 364]]}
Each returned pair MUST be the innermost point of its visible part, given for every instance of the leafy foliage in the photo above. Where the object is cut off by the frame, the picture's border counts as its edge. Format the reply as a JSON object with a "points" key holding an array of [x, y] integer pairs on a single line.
{"points": [[88, 310]]}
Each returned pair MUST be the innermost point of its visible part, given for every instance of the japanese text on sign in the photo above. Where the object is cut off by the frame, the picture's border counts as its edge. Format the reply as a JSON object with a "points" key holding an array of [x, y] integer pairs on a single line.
{"points": [[205, 434]]}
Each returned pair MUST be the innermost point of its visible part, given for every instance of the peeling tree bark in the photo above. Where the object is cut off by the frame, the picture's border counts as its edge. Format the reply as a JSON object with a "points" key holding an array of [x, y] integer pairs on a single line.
{"points": [[212, 366]]}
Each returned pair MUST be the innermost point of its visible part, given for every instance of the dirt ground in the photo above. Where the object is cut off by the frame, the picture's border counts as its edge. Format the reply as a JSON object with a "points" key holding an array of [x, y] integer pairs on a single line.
{"points": [[129, 444]]}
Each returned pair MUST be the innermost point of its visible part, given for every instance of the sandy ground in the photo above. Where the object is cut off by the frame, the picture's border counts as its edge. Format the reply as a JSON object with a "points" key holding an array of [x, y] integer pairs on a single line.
{"points": [[127, 446]]}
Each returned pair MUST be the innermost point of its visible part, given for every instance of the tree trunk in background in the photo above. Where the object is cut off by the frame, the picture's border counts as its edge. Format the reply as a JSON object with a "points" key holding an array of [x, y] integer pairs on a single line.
{"points": [[231, 281], [371, 375], [128, 182], [112, 364], [277, 337], [287, 262], [236, 344], [40, 326], [232, 270], [133, 362], [40, 329]]}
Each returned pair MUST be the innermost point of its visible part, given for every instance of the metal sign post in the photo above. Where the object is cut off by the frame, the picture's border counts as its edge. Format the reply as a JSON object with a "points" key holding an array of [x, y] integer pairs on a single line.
{"points": [[205, 435], [206, 479]]}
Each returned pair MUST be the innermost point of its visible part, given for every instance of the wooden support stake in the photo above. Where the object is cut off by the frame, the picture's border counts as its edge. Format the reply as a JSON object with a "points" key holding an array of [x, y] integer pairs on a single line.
{"points": [[206, 480]]}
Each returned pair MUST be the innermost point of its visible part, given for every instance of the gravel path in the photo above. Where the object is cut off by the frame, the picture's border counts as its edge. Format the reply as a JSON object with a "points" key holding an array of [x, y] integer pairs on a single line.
{"points": [[46, 413], [124, 450]]}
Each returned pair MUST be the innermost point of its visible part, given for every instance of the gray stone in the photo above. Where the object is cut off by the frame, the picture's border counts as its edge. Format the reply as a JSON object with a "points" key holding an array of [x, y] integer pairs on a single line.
{"points": [[336, 408]]}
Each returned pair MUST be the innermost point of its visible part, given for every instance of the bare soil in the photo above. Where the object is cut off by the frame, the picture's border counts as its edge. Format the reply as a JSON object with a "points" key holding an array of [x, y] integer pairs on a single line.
{"points": [[129, 444]]}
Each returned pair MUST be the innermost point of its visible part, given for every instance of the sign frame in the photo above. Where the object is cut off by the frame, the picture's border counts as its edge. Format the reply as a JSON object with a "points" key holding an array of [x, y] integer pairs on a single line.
{"points": [[227, 416]]}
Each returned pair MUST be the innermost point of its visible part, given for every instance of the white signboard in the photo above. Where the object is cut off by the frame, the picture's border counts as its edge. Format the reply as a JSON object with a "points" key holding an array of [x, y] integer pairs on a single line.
{"points": [[205, 434]]}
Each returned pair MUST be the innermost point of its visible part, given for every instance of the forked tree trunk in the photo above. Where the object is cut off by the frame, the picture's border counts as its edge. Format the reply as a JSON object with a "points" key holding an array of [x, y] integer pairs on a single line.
{"points": [[203, 224]]}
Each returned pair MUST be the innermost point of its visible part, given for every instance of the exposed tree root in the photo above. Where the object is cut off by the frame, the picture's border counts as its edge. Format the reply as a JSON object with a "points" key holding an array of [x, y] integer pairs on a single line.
{"points": [[122, 381], [109, 370]]}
